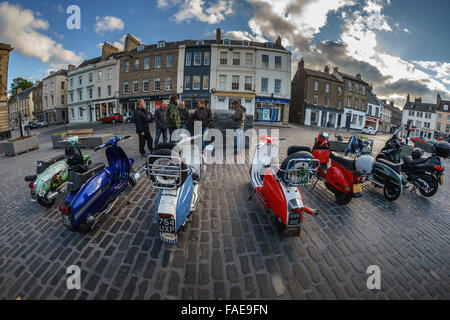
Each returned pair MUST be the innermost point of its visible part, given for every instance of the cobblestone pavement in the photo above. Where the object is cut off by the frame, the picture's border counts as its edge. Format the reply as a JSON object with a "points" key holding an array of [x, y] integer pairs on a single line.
{"points": [[232, 249]]}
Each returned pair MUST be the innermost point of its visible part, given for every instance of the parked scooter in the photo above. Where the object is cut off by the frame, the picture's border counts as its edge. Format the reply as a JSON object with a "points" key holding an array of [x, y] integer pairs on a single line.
{"points": [[93, 193], [176, 169], [278, 188], [344, 177], [52, 174], [358, 145]]}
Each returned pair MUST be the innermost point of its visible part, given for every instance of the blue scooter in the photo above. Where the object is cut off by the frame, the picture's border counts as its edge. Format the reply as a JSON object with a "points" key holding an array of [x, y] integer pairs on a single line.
{"points": [[93, 193], [358, 146], [175, 169]]}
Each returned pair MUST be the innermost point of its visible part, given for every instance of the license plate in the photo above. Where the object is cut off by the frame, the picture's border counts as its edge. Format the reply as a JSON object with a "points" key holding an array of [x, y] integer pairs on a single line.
{"points": [[294, 219], [66, 221], [442, 180], [357, 188], [167, 225]]}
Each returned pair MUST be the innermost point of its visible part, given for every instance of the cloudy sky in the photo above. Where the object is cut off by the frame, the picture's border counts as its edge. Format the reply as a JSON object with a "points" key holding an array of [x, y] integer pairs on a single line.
{"points": [[400, 46]]}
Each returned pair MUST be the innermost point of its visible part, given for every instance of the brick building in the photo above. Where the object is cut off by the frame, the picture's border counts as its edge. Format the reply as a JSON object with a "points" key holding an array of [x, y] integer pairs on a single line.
{"points": [[5, 132], [442, 117], [37, 101]]}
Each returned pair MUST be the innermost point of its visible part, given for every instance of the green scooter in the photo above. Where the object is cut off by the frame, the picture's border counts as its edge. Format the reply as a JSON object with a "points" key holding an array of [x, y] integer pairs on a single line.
{"points": [[52, 174]]}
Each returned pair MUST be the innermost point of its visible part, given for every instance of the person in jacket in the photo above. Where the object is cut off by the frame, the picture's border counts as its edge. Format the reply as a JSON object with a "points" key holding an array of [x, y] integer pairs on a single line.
{"points": [[238, 118], [161, 123], [184, 115], [203, 114], [142, 129], [173, 116]]}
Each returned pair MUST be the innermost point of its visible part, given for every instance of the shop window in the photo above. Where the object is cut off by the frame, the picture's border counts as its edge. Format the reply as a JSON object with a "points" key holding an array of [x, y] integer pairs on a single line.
{"points": [[196, 83]]}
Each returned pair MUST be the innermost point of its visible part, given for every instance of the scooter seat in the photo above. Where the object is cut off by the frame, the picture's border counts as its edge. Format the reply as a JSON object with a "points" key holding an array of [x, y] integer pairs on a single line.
{"points": [[77, 179], [43, 165], [346, 162], [294, 149], [409, 160], [394, 166]]}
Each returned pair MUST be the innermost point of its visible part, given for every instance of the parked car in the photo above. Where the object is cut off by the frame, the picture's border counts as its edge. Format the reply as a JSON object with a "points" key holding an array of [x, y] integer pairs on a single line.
{"points": [[414, 139], [30, 124], [112, 118], [128, 118], [369, 130], [42, 124]]}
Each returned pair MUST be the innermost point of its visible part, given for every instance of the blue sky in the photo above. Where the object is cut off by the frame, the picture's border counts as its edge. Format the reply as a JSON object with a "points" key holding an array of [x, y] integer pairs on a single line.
{"points": [[401, 46]]}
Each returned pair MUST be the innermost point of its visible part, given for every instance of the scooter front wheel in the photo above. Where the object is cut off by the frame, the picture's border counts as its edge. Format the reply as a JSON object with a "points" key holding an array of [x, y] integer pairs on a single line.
{"points": [[45, 202], [391, 193]]}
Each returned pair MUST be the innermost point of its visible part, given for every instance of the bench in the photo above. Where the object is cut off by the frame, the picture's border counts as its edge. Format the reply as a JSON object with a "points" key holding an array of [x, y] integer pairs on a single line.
{"points": [[83, 135]]}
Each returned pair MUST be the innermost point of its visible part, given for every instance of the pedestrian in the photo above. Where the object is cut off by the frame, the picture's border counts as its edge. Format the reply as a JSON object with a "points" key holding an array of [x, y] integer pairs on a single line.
{"points": [[142, 129], [184, 115], [173, 115], [238, 118], [203, 114], [161, 123]]}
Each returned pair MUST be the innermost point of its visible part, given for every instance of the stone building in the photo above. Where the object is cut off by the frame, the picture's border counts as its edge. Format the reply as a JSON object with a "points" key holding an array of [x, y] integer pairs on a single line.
{"points": [[442, 118], [54, 95], [21, 104], [37, 101], [421, 116], [5, 131], [374, 112], [396, 117]]}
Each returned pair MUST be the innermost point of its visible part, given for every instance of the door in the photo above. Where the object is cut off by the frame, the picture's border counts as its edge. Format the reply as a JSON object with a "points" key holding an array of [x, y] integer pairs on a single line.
{"points": [[274, 115]]}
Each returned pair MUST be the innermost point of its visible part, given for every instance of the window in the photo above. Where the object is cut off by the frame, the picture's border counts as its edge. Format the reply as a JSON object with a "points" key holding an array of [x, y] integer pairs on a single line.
{"points": [[349, 102], [447, 128], [439, 115], [277, 86], [90, 93], [357, 88], [99, 75], [236, 58], [146, 63], [135, 86], [226, 41], [52, 86], [169, 61], [136, 65], [445, 107], [349, 86], [360, 118], [109, 76], [188, 59], [140, 47], [339, 90], [195, 82], [339, 104], [363, 105], [264, 84], [63, 99], [316, 85], [168, 84], [145, 85], [63, 84], [90, 76], [81, 112], [158, 61], [316, 100], [222, 82], [197, 58], [126, 67], [206, 58], [125, 88], [109, 90], [265, 60], [187, 82], [71, 97], [200, 42], [364, 91], [157, 84], [223, 58], [249, 59], [327, 101], [370, 110], [80, 95], [327, 88], [99, 92], [71, 83], [205, 82], [269, 45], [80, 81], [161, 44], [235, 83], [356, 104], [46, 102], [246, 43], [72, 113], [448, 118], [278, 62], [438, 126], [248, 83]]}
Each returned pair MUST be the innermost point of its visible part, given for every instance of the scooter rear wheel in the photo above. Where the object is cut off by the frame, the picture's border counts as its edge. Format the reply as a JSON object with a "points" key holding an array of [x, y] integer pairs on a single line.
{"points": [[45, 202], [391, 194], [342, 198], [432, 191]]}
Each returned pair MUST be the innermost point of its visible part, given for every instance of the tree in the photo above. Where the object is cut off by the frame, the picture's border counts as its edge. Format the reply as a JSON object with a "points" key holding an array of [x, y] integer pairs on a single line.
{"points": [[19, 83]]}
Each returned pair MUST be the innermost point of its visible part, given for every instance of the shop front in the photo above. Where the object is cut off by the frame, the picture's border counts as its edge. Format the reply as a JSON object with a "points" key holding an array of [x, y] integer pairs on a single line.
{"points": [[129, 105], [271, 109], [354, 119], [322, 116], [225, 100], [372, 122], [191, 99]]}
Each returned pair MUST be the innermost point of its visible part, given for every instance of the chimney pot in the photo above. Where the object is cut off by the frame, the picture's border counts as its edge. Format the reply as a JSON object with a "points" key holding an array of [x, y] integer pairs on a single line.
{"points": [[327, 69], [418, 100], [358, 76], [336, 69]]}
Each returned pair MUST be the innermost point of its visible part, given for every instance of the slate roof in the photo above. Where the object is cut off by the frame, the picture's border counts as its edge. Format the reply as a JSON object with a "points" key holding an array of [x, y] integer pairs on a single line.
{"points": [[441, 105], [420, 106], [373, 100], [89, 62], [322, 75], [353, 78], [59, 72]]}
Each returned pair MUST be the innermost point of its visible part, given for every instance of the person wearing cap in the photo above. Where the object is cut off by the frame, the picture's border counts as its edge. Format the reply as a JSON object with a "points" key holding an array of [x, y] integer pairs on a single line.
{"points": [[173, 116]]}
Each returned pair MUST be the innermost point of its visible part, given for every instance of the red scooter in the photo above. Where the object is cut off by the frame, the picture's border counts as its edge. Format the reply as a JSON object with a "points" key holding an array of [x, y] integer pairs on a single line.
{"points": [[344, 177], [278, 187]]}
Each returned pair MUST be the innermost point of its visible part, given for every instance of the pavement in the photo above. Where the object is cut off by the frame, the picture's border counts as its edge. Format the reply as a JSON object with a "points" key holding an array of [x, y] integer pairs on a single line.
{"points": [[233, 249]]}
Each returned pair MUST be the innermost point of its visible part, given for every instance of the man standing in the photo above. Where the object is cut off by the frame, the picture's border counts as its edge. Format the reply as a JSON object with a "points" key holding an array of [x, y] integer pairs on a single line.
{"points": [[161, 123], [184, 115], [204, 115], [238, 124], [142, 129], [173, 115]]}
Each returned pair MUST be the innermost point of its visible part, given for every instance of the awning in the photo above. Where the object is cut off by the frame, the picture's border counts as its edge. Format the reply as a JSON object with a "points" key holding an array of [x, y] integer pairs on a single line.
{"points": [[234, 95]]}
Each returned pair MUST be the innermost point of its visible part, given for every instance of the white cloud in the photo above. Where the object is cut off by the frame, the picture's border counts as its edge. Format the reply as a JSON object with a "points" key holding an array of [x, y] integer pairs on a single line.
{"points": [[187, 10], [20, 28], [406, 30], [442, 69], [108, 23]]}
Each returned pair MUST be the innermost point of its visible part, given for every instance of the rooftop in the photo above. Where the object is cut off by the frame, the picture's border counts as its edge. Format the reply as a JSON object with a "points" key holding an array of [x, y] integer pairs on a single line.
{"points": [[322, 75], [420, 106]]}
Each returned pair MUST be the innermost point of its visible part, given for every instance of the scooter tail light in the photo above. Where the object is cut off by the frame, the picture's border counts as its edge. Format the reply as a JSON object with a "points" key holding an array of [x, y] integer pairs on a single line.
{"points": [[346, 189], [438, 168], [64, 209], [165, 216], [359, 179], [31, 185]]}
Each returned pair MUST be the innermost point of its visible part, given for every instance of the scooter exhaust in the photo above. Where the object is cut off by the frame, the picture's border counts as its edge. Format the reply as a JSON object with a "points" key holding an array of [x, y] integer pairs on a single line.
{"points": [[53, 194]]}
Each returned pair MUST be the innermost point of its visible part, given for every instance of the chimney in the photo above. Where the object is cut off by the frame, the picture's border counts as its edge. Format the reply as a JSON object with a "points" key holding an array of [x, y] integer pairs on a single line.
{"points": [[327, 69], [408, 98], [371, 88], [336, 69], [218, 36], [37, 82], [108, 50], [301, 64], [19, 90], [278, 42], [131, 43], [71, 67], [418, 100], [391, 103], [438, 99], [358, 76]]}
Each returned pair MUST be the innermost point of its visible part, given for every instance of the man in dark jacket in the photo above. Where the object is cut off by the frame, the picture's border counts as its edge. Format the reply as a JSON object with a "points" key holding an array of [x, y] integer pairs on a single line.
{"points": [[204, 115], [184, 115], [161, 123], [142, 129], [173, 116], [238, 125]]}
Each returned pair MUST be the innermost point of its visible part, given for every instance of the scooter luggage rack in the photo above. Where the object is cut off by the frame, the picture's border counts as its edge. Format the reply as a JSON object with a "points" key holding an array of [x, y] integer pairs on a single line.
{"points": [[300, 176], [172, 171]]}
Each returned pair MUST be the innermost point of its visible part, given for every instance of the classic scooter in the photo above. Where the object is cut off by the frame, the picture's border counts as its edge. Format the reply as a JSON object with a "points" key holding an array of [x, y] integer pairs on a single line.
{"points": [[278, 188], [176, 170], [52, 174], [93, 193], [344, 177], [357, 145]]}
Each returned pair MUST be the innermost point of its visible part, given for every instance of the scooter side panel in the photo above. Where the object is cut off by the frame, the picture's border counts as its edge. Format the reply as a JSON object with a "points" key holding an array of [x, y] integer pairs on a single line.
{"points": [[384, 174], [322, 154], [44, 180], [274, 195], [338, 179], [184, 201], [118, 162]]}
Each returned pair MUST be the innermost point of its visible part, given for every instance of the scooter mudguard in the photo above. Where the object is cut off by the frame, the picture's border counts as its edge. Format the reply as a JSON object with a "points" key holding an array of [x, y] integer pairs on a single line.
{"points": [[274, 196], [338, 179], [385, 174], [43, 183], [184, 201], [322, 154]]}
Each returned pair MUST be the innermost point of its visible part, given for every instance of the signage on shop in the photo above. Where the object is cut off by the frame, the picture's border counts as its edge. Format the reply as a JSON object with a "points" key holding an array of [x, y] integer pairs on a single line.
{"points": [[145, 98], [273, 100]]}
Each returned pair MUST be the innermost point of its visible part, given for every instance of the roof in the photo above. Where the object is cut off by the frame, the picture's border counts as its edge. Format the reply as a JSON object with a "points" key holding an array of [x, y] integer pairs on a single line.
{"points": [[24, 94], [5, 46], [420, 106], [89, 62], [322, 75], [440, 107], [62, 72], [372, 99], [353, 78]]}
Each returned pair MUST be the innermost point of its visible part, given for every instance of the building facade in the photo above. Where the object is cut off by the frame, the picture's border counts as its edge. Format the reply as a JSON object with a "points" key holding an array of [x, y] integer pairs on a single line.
{"points": [[422, 117], [37, 101], [374, 111], [396, 117], [386, 117], [442, 118], [5, 131], [81, 92], [54, 97], [21, 105]]}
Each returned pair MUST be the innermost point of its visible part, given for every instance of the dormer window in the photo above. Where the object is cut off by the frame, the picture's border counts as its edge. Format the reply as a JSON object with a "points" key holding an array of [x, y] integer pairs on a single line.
{"points": [[200, 42], [226, 41], [161, 44], [445, 107], [269, 45], [140, 48], [246, 43]]}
